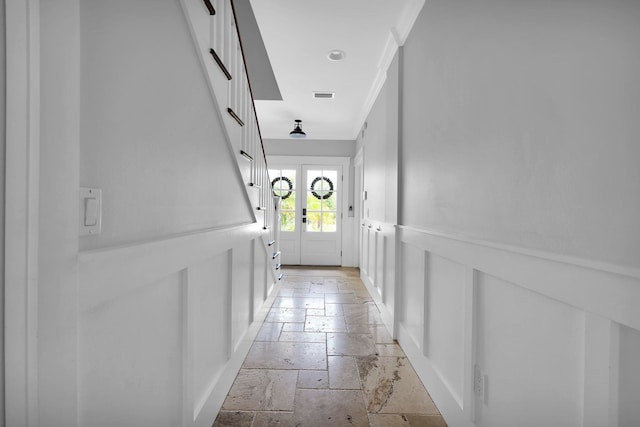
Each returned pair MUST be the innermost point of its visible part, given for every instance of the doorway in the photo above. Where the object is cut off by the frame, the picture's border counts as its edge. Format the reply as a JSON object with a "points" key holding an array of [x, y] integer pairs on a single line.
{"points": [[311, 212]]}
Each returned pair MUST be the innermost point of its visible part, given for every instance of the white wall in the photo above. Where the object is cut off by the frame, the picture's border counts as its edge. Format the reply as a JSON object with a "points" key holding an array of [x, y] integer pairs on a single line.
{"points": [[148, 322], [149, 136], [309, 147], [378, 141], [519, 193], [2, 172], [521, 126]]}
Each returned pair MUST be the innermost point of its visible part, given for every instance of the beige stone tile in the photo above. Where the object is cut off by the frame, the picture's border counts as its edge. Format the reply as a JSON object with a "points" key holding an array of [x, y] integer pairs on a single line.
{"points": [[313, 379], [381, 334], [303, 293], [363, 295], [303, 337], [335, 272], [406, 420], [390, 385], [299, 286], [286, 315], [269, 332], [333, 310], [315, 312], [296, 302], [293, 327], [366, 313], [324, 408], [262, 389], [286, 355], [234, 419], [339, 344], [379, 331], [342, 298], [273, 419], [324, 324], [343, 373], [323, 288], [389, 350], [286, 292], [350, 285]]}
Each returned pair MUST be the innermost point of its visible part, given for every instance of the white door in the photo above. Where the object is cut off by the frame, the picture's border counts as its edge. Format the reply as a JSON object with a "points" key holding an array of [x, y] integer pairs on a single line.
{"points": [[311, 213]]}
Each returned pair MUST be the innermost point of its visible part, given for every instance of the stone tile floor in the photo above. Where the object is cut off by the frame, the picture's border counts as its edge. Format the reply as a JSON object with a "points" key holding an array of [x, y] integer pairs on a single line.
{"points": [[324, 358]]}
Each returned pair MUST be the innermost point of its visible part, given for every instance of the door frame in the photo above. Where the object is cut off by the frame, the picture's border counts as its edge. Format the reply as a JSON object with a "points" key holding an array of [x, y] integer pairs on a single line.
{"points": [[347, 221], [21, 220], [358, 168]]}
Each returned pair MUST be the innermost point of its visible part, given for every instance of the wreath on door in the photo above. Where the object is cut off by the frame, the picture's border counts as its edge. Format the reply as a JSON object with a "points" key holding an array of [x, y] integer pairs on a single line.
{"points": [[315, 191], [288, 190]]}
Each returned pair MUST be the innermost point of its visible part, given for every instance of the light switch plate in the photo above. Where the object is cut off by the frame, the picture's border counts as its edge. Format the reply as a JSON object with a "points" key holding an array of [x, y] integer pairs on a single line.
{"points": [[90, 211]]}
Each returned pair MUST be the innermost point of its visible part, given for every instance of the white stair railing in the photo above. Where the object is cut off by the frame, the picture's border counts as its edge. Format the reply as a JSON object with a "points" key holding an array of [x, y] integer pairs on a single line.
{"points": [[214, 27]]}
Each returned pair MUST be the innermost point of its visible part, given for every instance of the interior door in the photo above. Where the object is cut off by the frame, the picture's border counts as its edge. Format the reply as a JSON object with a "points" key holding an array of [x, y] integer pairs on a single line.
{"points": [[321, 231], [311, 213]]}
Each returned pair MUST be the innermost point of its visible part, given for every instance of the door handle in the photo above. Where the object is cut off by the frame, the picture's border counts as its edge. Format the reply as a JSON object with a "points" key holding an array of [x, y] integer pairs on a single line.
{"points": [[304, 211], [304, 220]]}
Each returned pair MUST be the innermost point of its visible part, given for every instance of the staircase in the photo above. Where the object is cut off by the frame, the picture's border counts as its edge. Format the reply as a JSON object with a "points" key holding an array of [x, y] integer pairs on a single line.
{"points": [[215, 33]]}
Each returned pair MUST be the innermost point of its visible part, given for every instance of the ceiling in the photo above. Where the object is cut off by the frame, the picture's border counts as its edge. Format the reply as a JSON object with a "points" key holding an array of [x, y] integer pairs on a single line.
{"points": [[297, 36]]}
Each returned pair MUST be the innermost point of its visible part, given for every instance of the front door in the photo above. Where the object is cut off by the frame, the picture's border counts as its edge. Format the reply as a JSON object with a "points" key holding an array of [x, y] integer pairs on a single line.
{"points": [[311, 213]]}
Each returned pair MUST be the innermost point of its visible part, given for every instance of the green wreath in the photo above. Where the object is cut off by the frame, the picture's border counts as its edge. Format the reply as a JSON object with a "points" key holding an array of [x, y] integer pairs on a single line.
{"points": [[289, 190], [322, 196]]}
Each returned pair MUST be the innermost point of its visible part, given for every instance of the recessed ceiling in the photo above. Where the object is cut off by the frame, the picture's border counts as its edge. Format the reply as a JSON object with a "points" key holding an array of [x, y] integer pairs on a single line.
{"points": [[300, 35]]}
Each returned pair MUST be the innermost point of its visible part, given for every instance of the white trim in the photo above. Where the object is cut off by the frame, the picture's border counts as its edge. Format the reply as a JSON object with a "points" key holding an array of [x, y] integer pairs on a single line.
{"points": [[396, 38], [607, 295], [358, 182], [407, 19], [21, 211], [470, 345], [154, 260], [610, 291], [438, 389], [545, 255]]}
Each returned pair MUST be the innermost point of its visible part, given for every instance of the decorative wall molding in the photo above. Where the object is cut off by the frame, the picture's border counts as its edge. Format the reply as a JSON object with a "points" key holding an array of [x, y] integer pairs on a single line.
{"points": [[602, 295], [607, 290], [21, 211], [107, 273]]}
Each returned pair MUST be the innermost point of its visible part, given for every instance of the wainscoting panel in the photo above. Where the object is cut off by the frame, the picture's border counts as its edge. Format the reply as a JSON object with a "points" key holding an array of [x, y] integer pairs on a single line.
{"points": [[145, 382], [241, 298], [186, 310], [260, 289], [388, 294], [444, 321], [629, 409], [379, 262], [514, 336], [415, 291], [530, 348], [209, 295]]}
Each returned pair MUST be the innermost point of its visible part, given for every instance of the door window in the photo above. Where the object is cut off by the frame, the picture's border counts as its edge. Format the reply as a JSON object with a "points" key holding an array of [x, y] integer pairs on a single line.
{"points": [[321, 201], [284, 186]]}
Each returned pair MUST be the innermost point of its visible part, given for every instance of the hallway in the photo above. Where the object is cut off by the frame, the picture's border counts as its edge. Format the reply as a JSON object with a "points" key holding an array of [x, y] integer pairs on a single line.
{"points": [[324, 358]]}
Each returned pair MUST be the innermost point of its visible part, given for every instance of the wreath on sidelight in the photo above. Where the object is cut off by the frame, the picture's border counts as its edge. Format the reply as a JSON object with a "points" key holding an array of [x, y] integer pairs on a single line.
{"points": [[288, 191]]}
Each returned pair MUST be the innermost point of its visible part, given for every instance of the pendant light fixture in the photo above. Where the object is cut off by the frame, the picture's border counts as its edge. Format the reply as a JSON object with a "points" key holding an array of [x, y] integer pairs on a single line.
{"points": [[297, 130]]}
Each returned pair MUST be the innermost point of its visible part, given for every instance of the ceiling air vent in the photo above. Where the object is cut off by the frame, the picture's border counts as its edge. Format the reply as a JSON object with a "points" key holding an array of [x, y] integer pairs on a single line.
{"points": [[324, 95]]}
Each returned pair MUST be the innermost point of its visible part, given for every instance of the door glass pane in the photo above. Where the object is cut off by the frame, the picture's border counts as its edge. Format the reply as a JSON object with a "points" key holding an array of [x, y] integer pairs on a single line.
{"points": [[329, 221], [284, 186], [321, 201]]}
